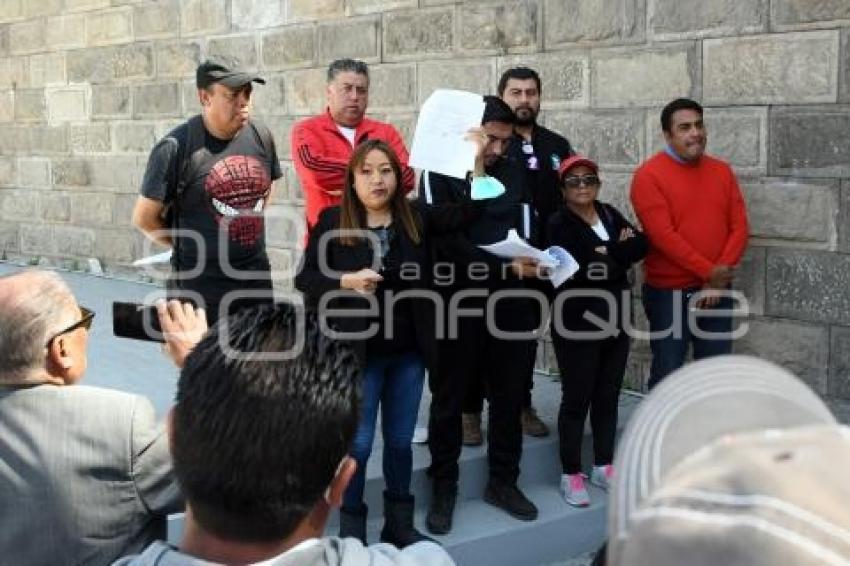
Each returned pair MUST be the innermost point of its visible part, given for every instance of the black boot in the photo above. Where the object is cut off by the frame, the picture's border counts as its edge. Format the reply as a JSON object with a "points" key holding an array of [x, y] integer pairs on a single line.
{"points": [[352, 522], [508, 496], [398, 522], [439, 520]]}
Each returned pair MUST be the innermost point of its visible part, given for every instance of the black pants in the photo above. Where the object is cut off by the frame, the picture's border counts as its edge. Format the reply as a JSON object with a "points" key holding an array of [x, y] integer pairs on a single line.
{"points": [[591, 377], [473, 400], [501, 362], [210, 295]]}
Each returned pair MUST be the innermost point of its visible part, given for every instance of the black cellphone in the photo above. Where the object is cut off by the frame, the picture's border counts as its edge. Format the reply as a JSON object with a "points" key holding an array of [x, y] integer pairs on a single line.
{"points": [[139, 322]]}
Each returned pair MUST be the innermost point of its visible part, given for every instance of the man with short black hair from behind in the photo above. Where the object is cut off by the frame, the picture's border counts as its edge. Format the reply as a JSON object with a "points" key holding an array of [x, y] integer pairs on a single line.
{"points": [[261, 451]]}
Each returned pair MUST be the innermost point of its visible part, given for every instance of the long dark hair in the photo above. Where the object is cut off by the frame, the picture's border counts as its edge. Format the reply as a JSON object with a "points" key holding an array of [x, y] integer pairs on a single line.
{"points": [[352, 212]]}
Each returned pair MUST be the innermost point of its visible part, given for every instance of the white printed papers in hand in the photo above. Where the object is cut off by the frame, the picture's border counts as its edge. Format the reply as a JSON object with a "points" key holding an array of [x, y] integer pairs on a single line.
{"points": [[444, 120], [164, 257], [560, 263]]}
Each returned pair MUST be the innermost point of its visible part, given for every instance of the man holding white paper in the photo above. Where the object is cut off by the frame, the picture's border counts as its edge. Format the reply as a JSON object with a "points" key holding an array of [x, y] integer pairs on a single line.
{"points": [[476, 276]]}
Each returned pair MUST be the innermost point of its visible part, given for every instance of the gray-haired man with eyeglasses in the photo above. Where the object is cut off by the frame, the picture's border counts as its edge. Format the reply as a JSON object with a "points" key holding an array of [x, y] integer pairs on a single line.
{"points": [[85, 473]]}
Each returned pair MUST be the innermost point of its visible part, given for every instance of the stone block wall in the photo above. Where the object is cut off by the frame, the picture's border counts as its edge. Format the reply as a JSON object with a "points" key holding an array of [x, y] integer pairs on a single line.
{"points": [[87, 86]]}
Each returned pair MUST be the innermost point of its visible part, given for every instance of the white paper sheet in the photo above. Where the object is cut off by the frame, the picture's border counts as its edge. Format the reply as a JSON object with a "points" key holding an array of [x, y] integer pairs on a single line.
{"points": [[164, 257], [444, 120], [562, 265]]}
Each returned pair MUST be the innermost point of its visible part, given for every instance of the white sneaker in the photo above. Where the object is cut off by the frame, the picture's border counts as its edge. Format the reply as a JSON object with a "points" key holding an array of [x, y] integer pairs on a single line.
{"points": [[573, 490], [601, 476]]}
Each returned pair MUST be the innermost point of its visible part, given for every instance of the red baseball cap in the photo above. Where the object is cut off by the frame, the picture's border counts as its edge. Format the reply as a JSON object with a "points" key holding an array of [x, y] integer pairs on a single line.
{"points": [[574, 161]]}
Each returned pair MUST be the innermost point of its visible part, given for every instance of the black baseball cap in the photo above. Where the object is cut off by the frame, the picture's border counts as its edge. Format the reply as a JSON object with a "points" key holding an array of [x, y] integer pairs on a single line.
{"points": [[210, 72]]}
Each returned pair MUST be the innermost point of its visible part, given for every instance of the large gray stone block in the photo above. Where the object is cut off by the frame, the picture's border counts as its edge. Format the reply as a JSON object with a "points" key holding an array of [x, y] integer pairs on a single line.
{"points": [[7, 106], [8, 171], [63, 32], [37, 239], [153, 20], [134, 137], [418, 34], [270, 98], [680, 19], [84, 5], [257, 14], [809, 285], [293, 46], [56, 207], [122, 211], [508, 26], [792, 211], [844, 218], [44, 69], [157, 100], [314, 9], [19, 205], [305, 91], [109, 27], [613, 138], [28, 37], [804, 14], [644, 76], [67, 104], [750, 278], [90, 138], [803, 349], [108, 64], [115, 246], [110, 101], [564, 76], [30, 105], [177, 59], [392, 87], [473, 75], [201, 17], [34, 172], [738, 136], [281, 128], [372, 6], [844, 67], [237, 51], [810, 141], [74, 242], [71, 172], [45, 139], [10, 237], [91, 209], [4, 41], [355, 38], [593, 21], [772, 69], [839, 362]]}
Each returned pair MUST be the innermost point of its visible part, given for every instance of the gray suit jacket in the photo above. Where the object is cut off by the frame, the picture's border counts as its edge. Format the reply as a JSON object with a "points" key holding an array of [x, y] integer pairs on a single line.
{"points": [[85, 475]]}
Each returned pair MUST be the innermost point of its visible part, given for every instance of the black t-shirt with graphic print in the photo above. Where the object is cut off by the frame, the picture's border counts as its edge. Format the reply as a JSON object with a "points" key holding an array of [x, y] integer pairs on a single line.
{"points": [[229, 183]]}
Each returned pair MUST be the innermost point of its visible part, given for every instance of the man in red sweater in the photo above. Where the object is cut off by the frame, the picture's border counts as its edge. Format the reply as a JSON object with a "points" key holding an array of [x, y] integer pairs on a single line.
{"points": [[322, 145], [692, 211]]}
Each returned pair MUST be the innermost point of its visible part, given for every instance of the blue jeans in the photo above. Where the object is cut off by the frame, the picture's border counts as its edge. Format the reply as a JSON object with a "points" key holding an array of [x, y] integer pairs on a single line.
{"points": [[396, 383], [668, 314]]}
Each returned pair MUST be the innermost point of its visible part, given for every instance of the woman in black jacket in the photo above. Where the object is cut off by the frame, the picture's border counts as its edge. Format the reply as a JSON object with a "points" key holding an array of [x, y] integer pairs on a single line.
{"points": [[587, 331], [362, 256]]}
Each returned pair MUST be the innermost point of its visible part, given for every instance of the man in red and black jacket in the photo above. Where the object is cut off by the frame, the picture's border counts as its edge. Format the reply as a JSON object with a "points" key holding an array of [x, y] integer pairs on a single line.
{"points": [[322, 145]]}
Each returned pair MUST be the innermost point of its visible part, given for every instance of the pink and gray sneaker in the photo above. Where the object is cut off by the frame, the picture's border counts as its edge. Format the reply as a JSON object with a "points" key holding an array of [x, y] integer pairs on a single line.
{"points": [[601, 476], [574, 491]]}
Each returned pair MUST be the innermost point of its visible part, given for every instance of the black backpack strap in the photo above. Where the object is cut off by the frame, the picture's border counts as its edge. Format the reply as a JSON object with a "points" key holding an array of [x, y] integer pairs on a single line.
{"points": [[195, 137]]}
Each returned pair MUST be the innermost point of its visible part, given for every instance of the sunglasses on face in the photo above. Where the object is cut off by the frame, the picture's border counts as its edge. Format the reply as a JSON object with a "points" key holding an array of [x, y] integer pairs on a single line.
{"points": [[575, 181], [84, 322]]}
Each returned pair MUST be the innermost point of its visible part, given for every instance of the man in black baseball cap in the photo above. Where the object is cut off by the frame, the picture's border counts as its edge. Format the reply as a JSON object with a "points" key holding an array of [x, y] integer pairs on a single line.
{"points": [[213, 176], [210, 72]]}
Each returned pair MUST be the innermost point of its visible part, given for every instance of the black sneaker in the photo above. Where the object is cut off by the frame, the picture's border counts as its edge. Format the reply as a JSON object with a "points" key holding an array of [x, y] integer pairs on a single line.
{"points": [[441, 509], [509, 498]]}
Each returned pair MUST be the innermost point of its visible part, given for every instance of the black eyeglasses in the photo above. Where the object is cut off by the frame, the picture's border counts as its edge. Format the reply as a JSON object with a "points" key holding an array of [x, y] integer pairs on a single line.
{"points": [[84, 322], [575, 181]]}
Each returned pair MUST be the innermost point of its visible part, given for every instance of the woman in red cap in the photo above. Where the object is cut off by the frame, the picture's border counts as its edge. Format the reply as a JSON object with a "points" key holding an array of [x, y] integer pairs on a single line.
{"points": [[587, 328]]}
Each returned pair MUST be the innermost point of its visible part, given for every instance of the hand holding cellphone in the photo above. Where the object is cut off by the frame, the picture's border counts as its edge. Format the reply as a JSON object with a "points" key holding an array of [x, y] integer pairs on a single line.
{"points": [[136, 321]]}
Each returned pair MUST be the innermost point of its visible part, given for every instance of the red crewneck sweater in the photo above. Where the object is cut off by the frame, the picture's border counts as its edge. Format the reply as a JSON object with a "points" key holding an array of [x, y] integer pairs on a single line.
{"points": [[694, 216]]}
